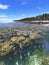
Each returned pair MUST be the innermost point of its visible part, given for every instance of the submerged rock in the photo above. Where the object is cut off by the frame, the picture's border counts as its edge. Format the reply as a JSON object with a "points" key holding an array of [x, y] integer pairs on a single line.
{"points": [[22, 37], [1, 63], [21, 41]]}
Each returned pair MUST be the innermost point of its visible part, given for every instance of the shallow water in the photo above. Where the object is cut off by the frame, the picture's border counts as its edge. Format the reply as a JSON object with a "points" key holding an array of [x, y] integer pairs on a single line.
{"points": [[18, 24], [31, 55], [13, 24]]}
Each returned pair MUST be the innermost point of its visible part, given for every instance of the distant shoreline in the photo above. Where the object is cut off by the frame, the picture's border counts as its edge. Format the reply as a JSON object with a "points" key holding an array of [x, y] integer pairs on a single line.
{"points": [[35, 22], [40, 19]]}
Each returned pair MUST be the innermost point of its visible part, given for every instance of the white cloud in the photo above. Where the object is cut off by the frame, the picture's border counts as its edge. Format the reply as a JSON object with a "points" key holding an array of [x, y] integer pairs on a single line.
{"points": [[40, 8], [6, 20], [4, 6], [3, 16], [24, 3]]}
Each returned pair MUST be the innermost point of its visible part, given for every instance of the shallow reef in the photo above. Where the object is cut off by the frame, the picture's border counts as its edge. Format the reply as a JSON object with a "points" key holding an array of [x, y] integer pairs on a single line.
{"points": [[24, 45]]}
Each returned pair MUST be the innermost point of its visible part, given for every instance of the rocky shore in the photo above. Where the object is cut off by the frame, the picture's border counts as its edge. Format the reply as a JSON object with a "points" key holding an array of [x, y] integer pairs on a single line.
{"points": [[20, 36]]}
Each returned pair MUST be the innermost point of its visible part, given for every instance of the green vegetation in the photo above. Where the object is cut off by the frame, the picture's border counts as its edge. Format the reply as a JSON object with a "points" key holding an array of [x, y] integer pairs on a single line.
{"points": [[37, 19], [40, 17]]}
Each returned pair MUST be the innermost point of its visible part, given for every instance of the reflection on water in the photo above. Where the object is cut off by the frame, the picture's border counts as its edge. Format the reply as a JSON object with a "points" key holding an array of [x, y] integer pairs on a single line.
{"points": [[30, 55]]}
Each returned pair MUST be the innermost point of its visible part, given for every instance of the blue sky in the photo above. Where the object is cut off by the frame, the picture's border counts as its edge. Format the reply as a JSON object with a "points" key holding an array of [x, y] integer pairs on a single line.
{"points": [[16, 9]]}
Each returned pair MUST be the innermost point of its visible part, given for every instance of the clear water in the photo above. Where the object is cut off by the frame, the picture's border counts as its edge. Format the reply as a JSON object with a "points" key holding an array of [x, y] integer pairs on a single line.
{"points": [[31, 55], [13, 24], [16, 24]]}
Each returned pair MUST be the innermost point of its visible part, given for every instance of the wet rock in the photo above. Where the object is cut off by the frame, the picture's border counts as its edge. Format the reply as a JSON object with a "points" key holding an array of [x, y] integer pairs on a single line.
{"points": [[1, 63], [21, 36]]}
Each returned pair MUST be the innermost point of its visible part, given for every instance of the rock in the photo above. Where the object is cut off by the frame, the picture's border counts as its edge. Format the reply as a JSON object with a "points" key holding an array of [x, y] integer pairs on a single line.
{"points": [[34, 36], [21, 38], [5, 48], [1, 63]]}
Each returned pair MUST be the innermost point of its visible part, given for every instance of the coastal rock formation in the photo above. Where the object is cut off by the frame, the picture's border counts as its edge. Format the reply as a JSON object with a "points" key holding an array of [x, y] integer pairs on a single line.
{"points": [[21, 41], [21, 36]]}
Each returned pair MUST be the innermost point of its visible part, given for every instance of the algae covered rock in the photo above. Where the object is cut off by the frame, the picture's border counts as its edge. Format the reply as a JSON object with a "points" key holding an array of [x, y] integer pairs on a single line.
{"points": [[17, 36], [5, 47], [21, 41]]}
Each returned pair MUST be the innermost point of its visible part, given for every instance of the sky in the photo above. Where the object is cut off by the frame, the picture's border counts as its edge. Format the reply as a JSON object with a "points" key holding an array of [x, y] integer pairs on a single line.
{"points": [[17, 9]]}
